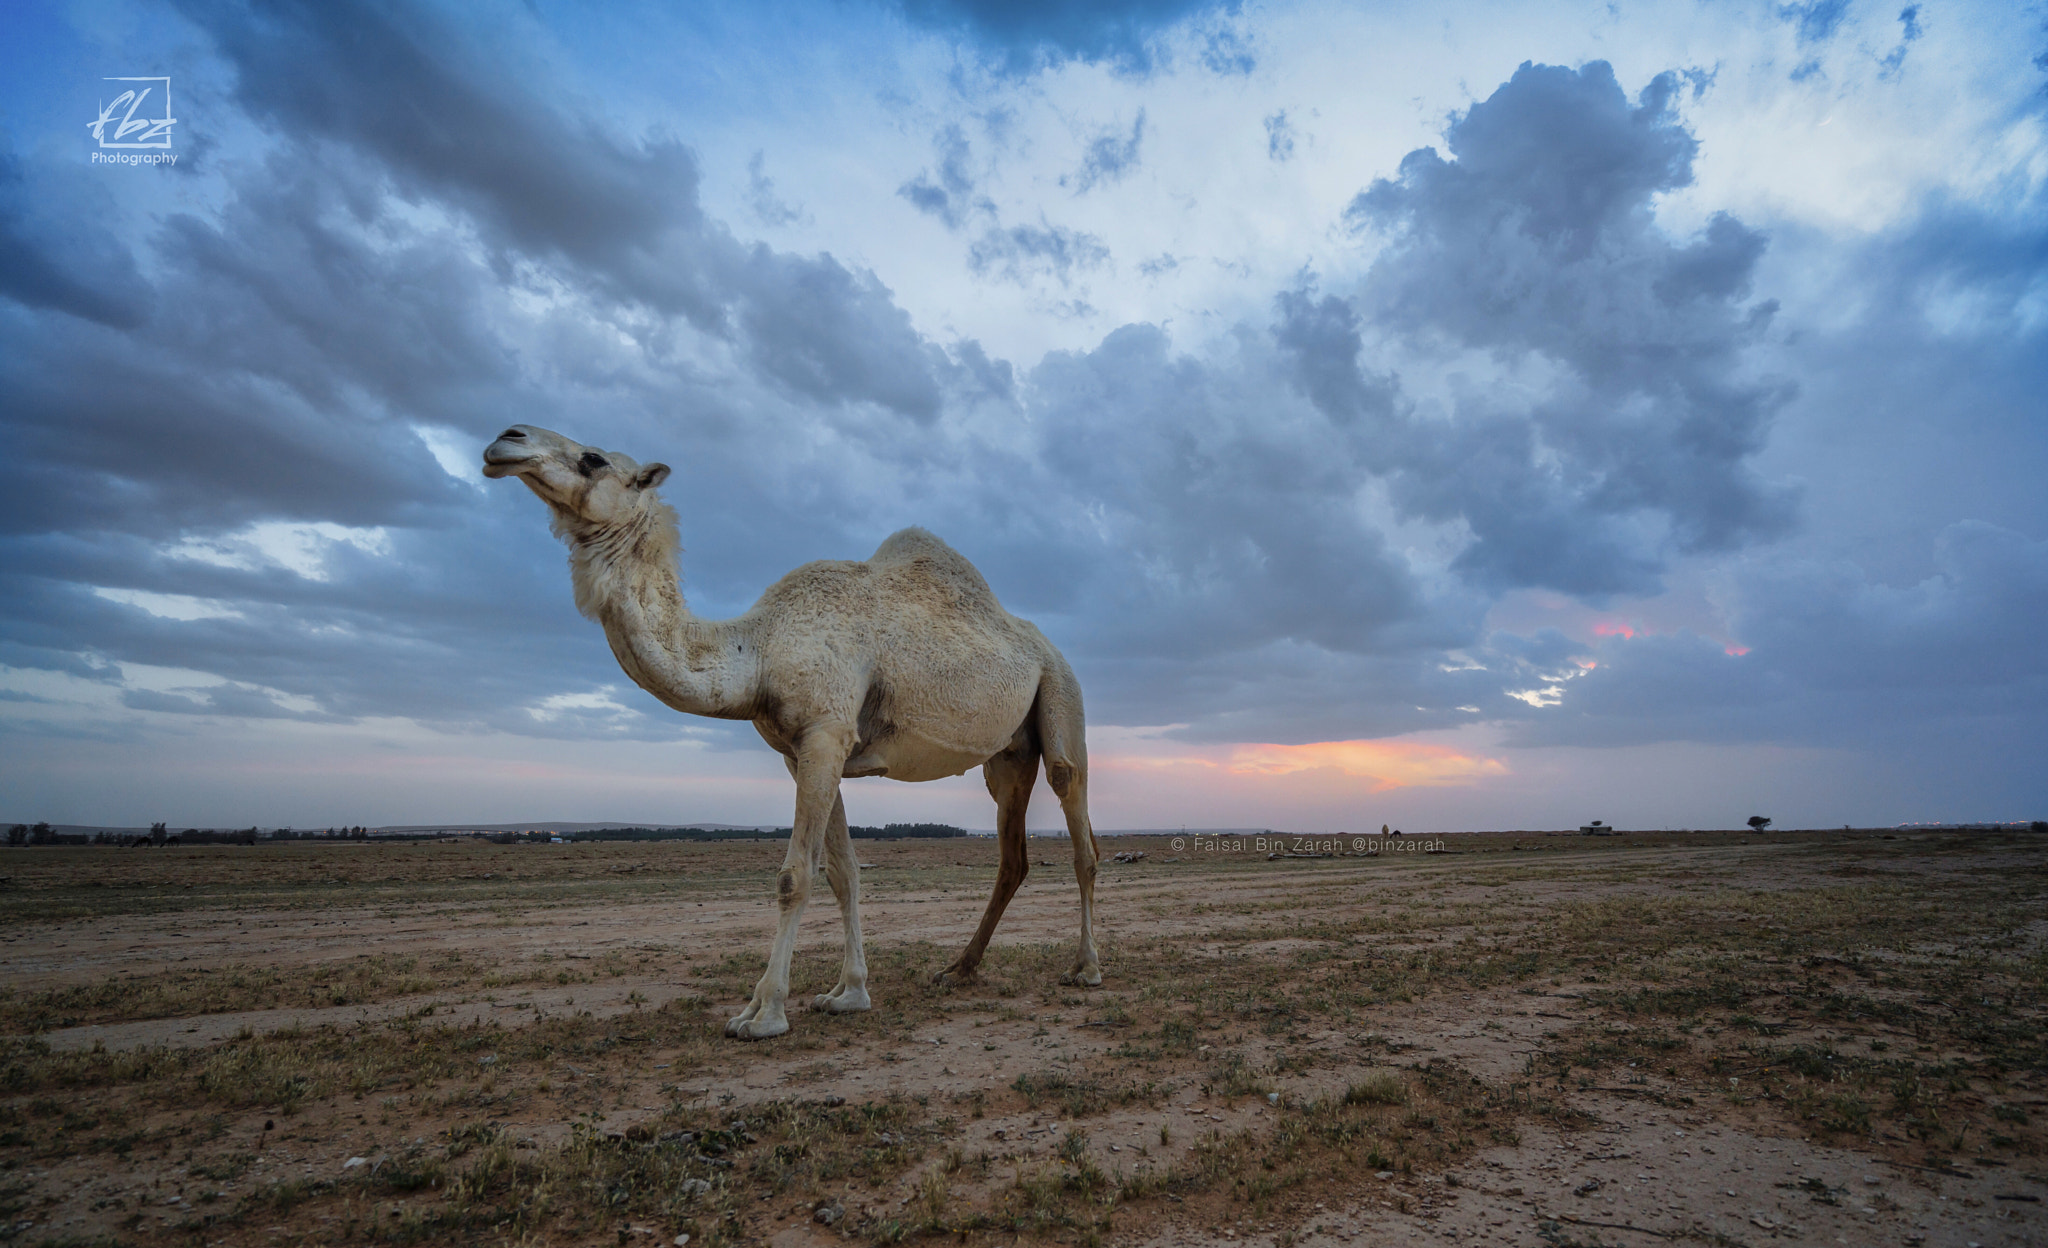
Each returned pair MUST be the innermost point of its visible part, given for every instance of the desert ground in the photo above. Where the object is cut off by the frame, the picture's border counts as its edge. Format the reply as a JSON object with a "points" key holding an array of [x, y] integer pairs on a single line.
{"points": [[1721, 1038]]}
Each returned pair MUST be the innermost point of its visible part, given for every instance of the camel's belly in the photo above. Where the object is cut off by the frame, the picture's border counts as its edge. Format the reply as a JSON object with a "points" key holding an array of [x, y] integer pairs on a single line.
{"points": [[913, 760]]}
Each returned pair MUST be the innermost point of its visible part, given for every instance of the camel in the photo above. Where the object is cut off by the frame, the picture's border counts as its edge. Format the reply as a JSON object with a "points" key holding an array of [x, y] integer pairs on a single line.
{"points": [[903, 666]]}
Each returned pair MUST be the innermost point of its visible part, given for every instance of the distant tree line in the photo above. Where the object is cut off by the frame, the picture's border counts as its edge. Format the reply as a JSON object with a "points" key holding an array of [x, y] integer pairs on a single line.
{"points": [[664, 834], [892, 831], [161, 834]]}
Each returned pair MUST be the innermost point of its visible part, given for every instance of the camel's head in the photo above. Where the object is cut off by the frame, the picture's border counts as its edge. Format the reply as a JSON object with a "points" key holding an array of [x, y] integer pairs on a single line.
{"points": [[584, 486]]}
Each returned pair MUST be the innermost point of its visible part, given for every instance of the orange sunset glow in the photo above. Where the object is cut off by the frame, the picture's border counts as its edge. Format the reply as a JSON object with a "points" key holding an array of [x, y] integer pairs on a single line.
{"points": [[1390, 764], [1387, 764]]}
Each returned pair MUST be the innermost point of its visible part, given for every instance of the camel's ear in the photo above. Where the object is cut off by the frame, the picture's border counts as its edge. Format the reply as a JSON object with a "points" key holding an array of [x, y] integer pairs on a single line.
{"points": [[651, 476]]}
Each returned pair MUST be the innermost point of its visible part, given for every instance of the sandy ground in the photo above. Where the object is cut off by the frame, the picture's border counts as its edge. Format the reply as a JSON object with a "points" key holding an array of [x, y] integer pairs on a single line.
{"points": [[1644, 1174]]}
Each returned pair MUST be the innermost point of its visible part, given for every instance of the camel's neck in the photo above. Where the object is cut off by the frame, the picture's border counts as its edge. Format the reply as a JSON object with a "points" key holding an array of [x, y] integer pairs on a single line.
{"points": [[626, 579]]}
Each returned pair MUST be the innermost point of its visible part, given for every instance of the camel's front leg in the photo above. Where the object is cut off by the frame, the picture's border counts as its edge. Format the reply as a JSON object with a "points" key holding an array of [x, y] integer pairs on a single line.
{"points": [[820, 758], [851, 992]]}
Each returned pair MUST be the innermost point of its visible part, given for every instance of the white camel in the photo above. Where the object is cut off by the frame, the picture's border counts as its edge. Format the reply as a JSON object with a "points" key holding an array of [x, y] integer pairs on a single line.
{"points": [[904, 666]]}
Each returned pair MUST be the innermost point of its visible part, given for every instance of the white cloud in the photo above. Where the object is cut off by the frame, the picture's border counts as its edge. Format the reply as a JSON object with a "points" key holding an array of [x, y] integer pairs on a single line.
{"points": [[170, 606], [600, 701], [301, 548], [459, 456]]}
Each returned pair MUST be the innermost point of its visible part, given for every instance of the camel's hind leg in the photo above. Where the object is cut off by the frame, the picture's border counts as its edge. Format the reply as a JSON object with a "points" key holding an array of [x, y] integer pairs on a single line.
{"points": [[1063, 734], [841, 869], [1009, 776]]}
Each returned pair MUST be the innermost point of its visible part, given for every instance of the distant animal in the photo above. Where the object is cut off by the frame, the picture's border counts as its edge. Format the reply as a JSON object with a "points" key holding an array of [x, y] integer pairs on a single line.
{"points": [[903, 665]]}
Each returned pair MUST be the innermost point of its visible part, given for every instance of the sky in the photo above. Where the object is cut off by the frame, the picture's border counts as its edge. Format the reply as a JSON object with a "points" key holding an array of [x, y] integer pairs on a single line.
{"points": [[1452, 416]]}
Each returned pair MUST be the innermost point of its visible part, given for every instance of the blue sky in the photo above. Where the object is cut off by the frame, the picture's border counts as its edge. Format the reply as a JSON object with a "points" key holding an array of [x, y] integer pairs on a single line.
{"points": [[1460, 416]]}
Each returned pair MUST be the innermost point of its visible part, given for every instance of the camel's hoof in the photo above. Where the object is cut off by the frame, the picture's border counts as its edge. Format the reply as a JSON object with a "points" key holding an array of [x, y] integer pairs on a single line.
{"points": [[744, 1028], [1080, 978], [841, 1002], [954, 974]]}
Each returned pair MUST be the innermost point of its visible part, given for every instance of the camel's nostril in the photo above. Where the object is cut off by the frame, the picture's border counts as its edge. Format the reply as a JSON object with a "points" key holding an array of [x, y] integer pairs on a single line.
{"points": [[515, 435]]}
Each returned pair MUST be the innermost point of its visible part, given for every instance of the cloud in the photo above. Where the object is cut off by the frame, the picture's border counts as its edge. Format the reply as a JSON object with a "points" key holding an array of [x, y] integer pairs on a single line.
{"points": [[1110, 157], [554, 186], [1535, 246], [1816, 21], [1279, 137], [1894, 61], [1227, 52], [52, 257], [171, 606], [1829, 656], [1021, 252], [762, 199], [951, 195], [231, 700], [1021, 36]]}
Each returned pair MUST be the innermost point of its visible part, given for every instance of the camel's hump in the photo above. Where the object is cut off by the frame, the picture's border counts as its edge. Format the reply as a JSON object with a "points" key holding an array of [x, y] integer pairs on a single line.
{"points": [[907, 544], [922, 546]]}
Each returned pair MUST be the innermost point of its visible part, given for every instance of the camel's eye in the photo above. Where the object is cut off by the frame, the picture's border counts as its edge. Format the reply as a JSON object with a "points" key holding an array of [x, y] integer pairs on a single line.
{"points": [[591, 462]]}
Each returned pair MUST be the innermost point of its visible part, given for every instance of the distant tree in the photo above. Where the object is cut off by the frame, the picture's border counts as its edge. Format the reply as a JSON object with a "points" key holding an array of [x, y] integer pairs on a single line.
{"points": [[18, 834], [893, 831], [158, 834], [1758, 823], [41, 835]]}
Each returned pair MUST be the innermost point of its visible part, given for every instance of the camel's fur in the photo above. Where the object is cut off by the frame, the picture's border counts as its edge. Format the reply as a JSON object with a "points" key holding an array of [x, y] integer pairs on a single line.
{"points": [[904, 666]]}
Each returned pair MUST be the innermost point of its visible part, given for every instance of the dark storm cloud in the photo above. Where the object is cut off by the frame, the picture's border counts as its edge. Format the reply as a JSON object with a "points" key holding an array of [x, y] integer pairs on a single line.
{"points": [[263, 384], [1834, 657], [552, 185], [1110, 156], [1237, 528], [397, 84], [1022, 35], [1536, 241], [830, 334], [56, 259], [1922, 407]]}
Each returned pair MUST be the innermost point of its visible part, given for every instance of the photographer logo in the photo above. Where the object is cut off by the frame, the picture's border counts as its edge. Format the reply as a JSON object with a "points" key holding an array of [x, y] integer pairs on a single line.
{"points": [[134, 128]]}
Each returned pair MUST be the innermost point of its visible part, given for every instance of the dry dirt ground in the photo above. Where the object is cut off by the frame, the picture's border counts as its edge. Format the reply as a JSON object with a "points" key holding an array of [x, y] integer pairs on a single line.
{"points": [[1831, 1038]]}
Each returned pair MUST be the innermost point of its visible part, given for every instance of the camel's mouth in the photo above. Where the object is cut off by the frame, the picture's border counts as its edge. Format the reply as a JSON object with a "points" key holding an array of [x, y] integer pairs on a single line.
{"points": [[503, 457]]}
